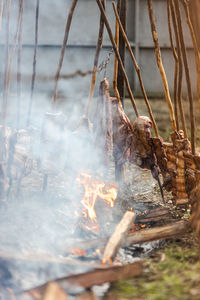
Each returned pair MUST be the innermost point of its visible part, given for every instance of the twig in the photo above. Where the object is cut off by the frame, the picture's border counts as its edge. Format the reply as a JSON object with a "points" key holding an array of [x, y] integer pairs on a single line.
{"points": [[176, 64], [195, 45], [160, 64], [66, 35], [96, 58], [34, 61], [137, 69], [187, 74], [180, 69], [118, 57]]}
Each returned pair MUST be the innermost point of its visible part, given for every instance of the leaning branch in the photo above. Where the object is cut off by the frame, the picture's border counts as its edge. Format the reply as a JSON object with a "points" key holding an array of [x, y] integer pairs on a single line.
{"points": [[136, 68], [187, 74], [118, 56], [66, 35], [160, 64]]}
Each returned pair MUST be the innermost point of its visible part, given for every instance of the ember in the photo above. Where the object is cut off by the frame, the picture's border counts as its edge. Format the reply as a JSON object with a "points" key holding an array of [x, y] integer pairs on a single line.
{"points": [[94, 190]]}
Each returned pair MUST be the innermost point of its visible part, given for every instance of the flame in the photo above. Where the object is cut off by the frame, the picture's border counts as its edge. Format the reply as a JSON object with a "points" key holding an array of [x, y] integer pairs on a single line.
{"points": [[78, 252], [94, 190]]}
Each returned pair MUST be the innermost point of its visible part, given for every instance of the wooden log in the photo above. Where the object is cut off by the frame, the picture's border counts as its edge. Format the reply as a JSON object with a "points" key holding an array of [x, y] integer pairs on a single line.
{"points": [[118, 236], [95, 277], [88, 295], [54, 292], [181, 201], [155, 215], [157, 233]]}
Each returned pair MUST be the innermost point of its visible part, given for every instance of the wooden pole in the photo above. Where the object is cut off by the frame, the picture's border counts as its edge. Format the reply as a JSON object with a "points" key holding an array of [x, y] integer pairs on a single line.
{"points": [[19, 54], [115, 88], [176, 65], [96, 58], [180, 69], [137, 69], [118, 57], [34, 62], [195, 46], [66, 35], [160, 64], [187, 74], [122, 49], [1, 12]]}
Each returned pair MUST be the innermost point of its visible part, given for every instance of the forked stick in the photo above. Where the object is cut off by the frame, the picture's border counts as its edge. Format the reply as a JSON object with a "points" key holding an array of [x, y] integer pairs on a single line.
{"points": [[160, 64], [136, 67], [180, 69], [118, 56], [195, 45], [187, 74]]}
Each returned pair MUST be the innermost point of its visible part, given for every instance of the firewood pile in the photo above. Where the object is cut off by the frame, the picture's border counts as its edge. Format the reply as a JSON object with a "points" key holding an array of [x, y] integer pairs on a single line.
{"points": [[109, 134]]}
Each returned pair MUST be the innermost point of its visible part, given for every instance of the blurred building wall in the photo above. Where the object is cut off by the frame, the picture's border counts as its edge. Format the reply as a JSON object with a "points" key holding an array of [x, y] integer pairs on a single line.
{"points": [[82, 42]]}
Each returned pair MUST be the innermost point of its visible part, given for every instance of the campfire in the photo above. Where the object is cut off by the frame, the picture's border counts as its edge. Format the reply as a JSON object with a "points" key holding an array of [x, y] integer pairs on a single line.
{"points": [[83, 161]]}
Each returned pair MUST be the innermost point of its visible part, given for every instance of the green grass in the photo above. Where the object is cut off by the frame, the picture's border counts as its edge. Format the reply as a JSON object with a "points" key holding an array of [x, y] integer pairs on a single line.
{"points": [[172, 274]]}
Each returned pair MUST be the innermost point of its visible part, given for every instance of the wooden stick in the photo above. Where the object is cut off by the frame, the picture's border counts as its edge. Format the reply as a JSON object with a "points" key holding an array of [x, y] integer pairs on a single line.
{"points": [[187, 74], [115, 73], [118, 57], [122, 9], [1, 12], [19, 67], [180, 69], [137, 69], [96, 58], [118, 236], [176, 65], [160, 64], [96, 277], [54, 292], [34, 62], [66, 35], [157, 233], [195, 46]]}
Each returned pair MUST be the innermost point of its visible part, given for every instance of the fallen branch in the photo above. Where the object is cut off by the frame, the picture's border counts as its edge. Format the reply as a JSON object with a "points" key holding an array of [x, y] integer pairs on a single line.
{"points": [[118, 236], [96, 277], [157, 233]]}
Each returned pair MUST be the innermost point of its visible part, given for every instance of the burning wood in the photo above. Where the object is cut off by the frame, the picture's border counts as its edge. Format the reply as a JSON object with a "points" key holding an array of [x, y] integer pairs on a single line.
{"points": [[94, 190], [157, 233], [118, 236], [54, 292]]}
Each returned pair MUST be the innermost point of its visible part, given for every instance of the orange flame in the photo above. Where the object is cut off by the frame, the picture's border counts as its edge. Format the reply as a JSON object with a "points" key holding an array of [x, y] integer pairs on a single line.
{"points": [[93, 190]]}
